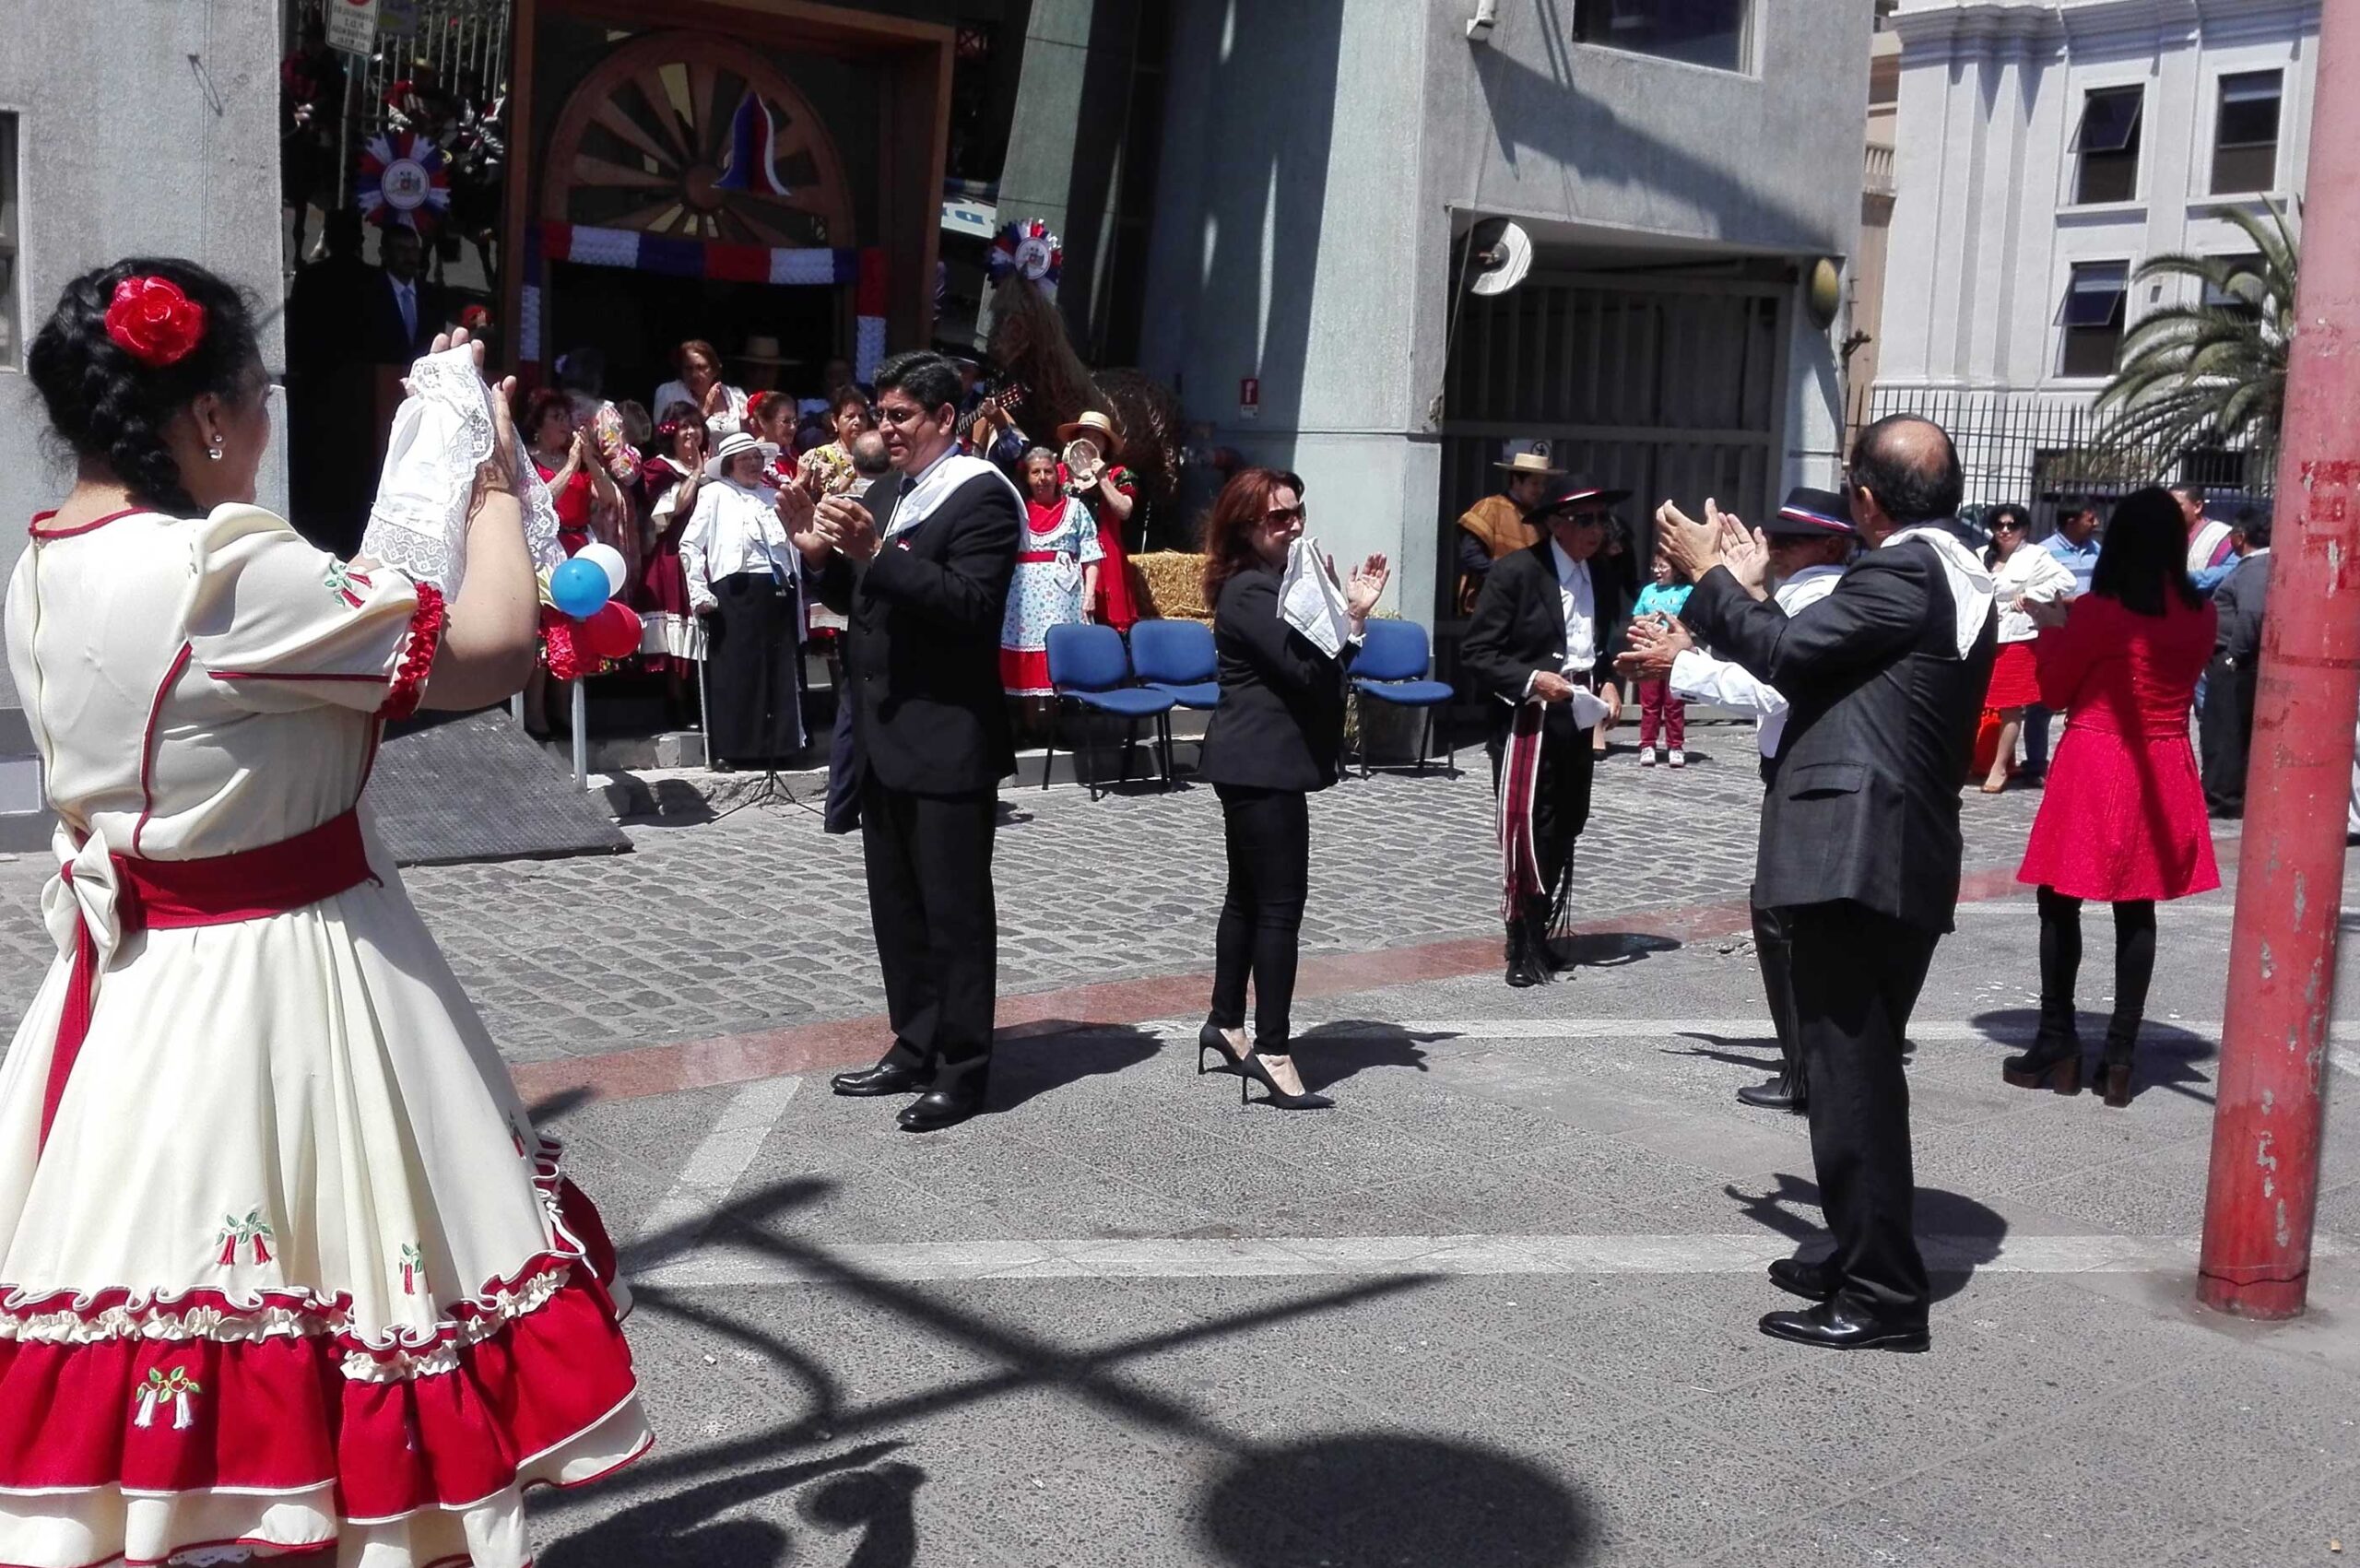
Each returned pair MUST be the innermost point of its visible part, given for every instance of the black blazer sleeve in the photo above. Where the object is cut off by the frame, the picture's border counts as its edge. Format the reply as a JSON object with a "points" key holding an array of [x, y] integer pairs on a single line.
{"points": [[1249, 612], [967, 590], [1877, 610], [1499, 609]]}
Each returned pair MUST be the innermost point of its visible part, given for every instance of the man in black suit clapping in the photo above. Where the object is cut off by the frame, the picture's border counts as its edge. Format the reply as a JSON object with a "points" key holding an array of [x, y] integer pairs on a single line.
{"points": [[920, 568], [1859, 851], [1546, 627]]}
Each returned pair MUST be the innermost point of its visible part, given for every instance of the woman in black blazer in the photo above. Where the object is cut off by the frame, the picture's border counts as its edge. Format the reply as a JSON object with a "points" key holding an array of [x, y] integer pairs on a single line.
{"points": [[1275, 739]]}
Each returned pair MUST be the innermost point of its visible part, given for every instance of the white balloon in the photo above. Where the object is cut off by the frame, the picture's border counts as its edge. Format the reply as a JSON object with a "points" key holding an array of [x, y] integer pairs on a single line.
{"points": [[609, 560]]}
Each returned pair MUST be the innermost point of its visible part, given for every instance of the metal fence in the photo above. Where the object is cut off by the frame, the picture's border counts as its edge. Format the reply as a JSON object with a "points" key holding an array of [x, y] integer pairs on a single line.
{"points": [[2043, 451], [467, 42]]}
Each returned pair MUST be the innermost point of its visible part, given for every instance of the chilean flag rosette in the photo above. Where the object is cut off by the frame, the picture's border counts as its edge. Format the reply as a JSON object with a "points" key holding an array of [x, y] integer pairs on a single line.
{"points": [[405, 179], [1030, 250]]}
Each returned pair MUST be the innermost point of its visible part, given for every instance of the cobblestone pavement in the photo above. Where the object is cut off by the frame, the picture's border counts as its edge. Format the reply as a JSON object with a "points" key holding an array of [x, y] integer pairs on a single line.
{"points": [[761, 920], [1496, 1309]]}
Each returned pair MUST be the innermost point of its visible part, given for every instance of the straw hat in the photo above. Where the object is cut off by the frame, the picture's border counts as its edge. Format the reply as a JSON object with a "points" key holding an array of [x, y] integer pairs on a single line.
{"points": [[1097, 427], [736, 444], [762, 352], [1533, 458]]}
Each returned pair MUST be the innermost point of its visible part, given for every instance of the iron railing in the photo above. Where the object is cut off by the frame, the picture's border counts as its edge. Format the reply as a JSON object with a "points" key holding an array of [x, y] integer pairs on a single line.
{"points": [[2042, 451]]}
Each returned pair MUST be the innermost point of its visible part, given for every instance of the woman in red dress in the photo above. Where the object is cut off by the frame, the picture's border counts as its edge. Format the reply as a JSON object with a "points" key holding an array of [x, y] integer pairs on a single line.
{"points": [[2022, 574], [2123, 816], [675, 641], [565, 460]]}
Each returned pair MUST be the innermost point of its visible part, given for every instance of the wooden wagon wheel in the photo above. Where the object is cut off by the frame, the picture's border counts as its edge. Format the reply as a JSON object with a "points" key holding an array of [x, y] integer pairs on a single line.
{"points": [[696, 136]]}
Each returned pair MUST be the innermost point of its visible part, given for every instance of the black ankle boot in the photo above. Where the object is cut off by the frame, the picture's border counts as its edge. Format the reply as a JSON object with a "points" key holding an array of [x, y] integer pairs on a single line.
{"points": [[2055, 1060], [2114, 1067], [1524, 968]]}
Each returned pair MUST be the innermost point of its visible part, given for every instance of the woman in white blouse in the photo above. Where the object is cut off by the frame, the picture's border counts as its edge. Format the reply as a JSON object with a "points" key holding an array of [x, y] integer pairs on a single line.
{"points": [[700, 384], [744, 582], [2024, 574]]}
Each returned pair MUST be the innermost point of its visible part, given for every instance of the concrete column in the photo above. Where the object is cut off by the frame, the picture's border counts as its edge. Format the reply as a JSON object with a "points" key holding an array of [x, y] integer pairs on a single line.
{"points": [[1066, 141]]}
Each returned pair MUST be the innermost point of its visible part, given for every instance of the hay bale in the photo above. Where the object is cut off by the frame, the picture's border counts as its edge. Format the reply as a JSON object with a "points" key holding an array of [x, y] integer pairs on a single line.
{"points": [[1173, 585]]}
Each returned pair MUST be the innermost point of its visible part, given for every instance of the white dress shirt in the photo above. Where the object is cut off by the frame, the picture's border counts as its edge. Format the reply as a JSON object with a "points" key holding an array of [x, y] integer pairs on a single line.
{"points": [[1580, 604], [733, 530], [1698, 677]]}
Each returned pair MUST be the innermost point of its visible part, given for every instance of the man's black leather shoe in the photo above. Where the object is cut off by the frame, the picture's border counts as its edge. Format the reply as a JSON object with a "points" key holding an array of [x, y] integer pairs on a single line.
{"points": [[1835, 1327], [1809, 1280], [885, 1077], [938, 1108], [1772, 1094]]}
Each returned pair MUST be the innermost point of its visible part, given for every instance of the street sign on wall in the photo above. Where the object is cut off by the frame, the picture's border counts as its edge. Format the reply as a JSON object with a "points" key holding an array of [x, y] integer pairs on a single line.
{"points": [[397, 19], [352, 26]]}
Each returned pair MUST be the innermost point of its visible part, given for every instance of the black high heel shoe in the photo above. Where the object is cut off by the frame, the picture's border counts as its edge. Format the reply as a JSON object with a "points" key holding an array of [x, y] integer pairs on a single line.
{"points": [[1251, 1069], [2053, 1063], [1211, 1038]]}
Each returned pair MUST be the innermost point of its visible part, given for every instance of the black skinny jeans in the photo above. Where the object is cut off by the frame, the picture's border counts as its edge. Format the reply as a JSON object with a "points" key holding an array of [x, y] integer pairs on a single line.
{"points": [[1269, 831], [2060, 962]]}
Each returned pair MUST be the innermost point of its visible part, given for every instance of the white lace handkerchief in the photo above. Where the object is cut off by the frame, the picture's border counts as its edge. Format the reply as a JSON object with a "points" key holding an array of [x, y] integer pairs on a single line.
{"points": [[441, 435]]}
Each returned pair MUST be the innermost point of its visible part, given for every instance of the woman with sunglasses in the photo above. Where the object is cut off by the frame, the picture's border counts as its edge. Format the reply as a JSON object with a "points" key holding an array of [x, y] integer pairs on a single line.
{"points": [[2022, 574], [2123, 818], [1274, 740]]}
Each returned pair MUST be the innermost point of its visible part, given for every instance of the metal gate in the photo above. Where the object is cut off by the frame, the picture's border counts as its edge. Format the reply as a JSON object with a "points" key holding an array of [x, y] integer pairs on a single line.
{"points": [[1667, 387]]}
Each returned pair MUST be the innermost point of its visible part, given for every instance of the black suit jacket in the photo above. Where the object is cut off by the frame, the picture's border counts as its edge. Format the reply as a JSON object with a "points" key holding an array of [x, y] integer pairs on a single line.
{"points": [[922, 655], [1863, 801], [1281, 723], [388, 343], [1519, 625]]}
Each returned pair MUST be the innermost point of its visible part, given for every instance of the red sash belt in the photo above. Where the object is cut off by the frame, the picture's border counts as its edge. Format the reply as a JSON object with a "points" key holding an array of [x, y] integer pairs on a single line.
{"points": [[223, 890], [1035, 557]]}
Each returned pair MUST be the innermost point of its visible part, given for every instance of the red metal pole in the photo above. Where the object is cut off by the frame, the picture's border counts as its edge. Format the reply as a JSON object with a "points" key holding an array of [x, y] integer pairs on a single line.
{"points": [[2264, 1185]]}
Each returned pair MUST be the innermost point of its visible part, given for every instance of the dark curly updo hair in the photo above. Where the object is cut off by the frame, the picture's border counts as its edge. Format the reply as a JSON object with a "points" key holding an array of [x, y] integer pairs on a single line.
{"points": [[111, 407]]}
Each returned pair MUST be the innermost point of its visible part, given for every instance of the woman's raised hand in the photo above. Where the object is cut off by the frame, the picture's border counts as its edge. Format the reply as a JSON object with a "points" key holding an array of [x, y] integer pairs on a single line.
{"points": [[1367, 586]]}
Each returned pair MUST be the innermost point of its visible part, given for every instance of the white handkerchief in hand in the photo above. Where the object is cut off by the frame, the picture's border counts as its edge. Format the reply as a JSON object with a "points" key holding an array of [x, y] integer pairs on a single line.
{"points": [[1311, 600], [1588, 707]]}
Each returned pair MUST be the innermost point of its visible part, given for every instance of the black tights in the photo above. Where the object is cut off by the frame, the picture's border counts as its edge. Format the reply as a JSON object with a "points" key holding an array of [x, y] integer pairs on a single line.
{"points": [[2060, 961], [1268, 832]]}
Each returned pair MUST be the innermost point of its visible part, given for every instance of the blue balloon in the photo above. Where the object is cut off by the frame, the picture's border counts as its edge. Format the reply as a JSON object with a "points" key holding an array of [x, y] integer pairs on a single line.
{"points": [[578, 587]]}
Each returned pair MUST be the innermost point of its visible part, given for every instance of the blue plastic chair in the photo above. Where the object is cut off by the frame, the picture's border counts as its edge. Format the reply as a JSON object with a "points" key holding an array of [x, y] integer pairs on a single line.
{"points": [[1089, 668], [1177, 656], [1392, 667]]}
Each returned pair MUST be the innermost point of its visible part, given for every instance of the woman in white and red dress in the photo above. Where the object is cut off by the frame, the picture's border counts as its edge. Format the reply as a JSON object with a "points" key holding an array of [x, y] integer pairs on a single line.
{"points": [[284, 1267], [1057, 572]]}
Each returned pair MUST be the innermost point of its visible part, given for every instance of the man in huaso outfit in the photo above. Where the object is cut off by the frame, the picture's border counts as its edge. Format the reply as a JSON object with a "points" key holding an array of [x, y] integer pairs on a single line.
{"points": [[920, 567], [1544, 633], [1885, 678], [1808, 540], [1497, 525]]}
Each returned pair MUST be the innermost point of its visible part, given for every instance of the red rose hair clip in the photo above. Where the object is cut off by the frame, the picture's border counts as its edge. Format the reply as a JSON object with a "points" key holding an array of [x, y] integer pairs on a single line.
{"points": [[153, 322]]}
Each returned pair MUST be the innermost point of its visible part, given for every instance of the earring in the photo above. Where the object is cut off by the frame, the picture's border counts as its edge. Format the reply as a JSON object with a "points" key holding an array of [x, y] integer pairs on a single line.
{"points": [[213, 453]]}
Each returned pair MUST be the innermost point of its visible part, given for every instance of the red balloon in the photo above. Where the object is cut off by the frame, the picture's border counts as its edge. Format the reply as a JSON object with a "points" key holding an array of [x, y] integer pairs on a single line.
{"points": [[613, 632]]}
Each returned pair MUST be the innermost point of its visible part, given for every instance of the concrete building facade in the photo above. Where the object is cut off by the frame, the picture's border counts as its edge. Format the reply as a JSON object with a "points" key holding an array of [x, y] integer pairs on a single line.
{"points": [[1321, 161], [2044, 149], [155, 132]]}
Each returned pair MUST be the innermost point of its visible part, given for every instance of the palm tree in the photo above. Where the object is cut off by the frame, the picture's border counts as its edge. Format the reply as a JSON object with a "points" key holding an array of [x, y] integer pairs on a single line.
{"points": [[2212, 374]]}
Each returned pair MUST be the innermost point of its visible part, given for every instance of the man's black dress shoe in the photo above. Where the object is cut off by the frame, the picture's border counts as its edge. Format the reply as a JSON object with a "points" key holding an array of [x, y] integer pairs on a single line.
{"points": [[1772, 1094], [1835, 1327], [938, 1108], [1809, 1280], [885, 1077]]}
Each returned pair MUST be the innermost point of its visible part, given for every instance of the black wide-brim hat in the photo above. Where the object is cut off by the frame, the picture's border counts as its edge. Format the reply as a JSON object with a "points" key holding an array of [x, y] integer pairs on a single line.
{"points": [[1812, 514], [1573, 493]]}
